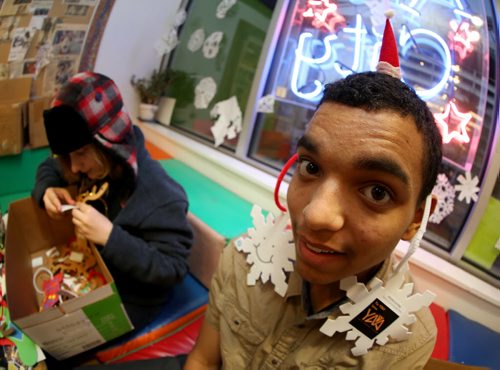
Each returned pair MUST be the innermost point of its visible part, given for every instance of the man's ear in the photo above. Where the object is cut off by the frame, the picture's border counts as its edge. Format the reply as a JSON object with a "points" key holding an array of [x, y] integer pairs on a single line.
{"points": [[417, 220]]}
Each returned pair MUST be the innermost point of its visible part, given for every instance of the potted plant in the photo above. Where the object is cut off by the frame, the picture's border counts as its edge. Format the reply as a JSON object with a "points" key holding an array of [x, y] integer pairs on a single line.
{"points": [[150, 90], [178, 92]]}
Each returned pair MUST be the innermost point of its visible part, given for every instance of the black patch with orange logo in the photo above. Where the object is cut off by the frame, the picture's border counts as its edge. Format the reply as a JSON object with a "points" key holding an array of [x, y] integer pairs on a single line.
{"points": [[374, 319]]}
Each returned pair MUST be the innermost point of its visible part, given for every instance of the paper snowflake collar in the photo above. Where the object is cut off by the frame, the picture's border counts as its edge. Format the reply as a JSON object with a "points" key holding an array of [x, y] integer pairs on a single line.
{"points": [[270, 248], [378, 311]]}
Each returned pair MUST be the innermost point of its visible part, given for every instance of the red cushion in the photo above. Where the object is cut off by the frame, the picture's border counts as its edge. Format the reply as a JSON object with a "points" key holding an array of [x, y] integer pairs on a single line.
{"points": [[178, 343], [442, 347]]}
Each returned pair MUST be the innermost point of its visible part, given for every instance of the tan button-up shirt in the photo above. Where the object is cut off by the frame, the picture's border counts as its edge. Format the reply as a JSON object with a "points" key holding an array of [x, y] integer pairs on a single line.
{"points": [[261, 330]]}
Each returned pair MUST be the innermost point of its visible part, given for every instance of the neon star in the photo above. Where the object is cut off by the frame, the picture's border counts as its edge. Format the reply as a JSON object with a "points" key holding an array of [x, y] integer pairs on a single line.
{"points": [[324, 14], [462, 38], [444, 119]]}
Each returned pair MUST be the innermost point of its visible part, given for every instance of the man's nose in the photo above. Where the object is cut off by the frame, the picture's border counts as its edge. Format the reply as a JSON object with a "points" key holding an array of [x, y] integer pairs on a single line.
{"points": [[326, 208]]}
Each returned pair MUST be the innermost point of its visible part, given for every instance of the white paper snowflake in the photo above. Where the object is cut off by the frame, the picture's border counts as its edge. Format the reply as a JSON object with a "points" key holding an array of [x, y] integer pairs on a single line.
{"points": [[227, 115], [266, 104], [377, 313], [445, 193], [270, 248], [224, 7], [468, 188]]}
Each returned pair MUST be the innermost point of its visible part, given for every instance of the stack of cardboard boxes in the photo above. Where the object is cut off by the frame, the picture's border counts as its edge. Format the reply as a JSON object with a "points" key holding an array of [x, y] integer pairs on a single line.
{"points": [[21, 117]]}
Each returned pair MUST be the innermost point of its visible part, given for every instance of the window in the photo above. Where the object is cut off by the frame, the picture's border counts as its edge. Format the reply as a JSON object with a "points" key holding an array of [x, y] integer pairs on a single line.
{"points": [[286, 51]]}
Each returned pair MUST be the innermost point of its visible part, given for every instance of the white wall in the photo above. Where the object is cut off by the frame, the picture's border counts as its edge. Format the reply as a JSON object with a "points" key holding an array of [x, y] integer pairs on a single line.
{"points": [[127, 45]]}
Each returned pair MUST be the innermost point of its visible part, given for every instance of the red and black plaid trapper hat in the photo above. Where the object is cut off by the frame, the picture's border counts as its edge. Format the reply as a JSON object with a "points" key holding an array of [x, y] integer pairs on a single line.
{"points": [[88, 108]]}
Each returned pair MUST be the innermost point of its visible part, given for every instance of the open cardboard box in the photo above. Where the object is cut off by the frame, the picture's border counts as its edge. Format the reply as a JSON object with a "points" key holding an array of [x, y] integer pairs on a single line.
{"points": [[74, 326], [14, 94]]}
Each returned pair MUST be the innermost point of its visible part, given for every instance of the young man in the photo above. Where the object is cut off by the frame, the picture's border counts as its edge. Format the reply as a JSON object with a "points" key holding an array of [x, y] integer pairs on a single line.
{"points": [[366, 164]]}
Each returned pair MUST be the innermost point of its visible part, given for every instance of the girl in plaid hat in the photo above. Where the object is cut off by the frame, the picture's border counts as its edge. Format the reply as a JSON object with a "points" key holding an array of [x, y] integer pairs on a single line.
{"points": [[142, 233]]}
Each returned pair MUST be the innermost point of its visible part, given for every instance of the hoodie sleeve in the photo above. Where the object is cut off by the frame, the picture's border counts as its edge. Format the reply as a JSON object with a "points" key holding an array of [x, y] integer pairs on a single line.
{"points": [[157, 251], [48, 175]]}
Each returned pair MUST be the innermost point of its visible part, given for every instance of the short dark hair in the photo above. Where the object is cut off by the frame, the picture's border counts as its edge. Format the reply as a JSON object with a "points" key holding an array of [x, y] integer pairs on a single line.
{"points": [[373, 91]]}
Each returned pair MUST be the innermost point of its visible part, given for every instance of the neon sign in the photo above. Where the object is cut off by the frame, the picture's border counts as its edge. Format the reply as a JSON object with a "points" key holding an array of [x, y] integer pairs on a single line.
{"points": [[444, 121], [306, 65]]}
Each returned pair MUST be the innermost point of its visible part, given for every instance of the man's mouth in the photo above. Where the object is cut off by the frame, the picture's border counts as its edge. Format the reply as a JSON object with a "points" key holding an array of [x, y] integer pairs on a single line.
{"points": [[320, 250]]}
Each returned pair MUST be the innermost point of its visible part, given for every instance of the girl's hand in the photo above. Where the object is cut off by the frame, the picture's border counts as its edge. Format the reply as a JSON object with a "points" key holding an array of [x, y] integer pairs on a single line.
{"points": [[91, 224], [54, 198]]}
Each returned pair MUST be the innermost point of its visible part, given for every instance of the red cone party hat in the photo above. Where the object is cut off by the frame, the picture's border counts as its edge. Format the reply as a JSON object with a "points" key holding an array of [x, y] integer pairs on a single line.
{"points": [[389, 59]]}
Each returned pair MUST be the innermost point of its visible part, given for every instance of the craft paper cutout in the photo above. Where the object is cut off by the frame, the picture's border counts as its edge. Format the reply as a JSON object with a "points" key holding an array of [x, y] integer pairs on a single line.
{"points": [[27, 349], [204, 92], [468, 188], [180, 18], [170, 40], [167, 43], [266, 104], [228, 120], [223, 8], [196, 40], [377, 312], [445, 193], [270, 248], [212, 44]]}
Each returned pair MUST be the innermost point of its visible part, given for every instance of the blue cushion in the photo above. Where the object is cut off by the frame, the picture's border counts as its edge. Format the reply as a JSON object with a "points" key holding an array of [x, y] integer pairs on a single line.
{"points": [[472, 343]]}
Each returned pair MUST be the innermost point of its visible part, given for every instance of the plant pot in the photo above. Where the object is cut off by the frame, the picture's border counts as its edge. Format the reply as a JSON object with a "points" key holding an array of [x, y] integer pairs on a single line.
{"points": [[165, 109], [147, 112]]}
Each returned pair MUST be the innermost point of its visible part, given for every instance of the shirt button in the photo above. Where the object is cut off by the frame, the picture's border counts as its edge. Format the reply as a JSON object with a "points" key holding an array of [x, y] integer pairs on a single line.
{"points": [[274, 362], [236, 322]]}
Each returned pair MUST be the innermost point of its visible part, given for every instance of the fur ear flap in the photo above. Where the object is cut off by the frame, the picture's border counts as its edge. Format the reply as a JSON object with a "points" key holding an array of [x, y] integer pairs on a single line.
{"points": [[417, 219], [66, 130]]}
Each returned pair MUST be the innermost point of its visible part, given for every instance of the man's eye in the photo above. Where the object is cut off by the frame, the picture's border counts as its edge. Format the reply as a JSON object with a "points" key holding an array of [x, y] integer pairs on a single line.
{"points": [[307, 168], [377, 193]]}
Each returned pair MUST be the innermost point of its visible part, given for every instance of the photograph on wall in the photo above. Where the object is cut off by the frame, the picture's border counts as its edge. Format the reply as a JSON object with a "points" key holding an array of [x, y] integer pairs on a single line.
{"points": [[15, 7], [41, 3], [81, 2], [21, 38], [58, 72], [4, 71], [68, 39], [29, 67], [77, 10], [7, 26]]}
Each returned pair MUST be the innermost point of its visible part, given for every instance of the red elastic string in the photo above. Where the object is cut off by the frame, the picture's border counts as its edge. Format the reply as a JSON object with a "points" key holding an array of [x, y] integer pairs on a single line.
{"points": [[282, 174]]}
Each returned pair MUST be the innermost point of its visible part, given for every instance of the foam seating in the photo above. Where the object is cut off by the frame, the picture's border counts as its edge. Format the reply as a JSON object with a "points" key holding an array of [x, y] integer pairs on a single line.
{"points": [[18, 175], [472, 343], [441, 349], [175, 329]]}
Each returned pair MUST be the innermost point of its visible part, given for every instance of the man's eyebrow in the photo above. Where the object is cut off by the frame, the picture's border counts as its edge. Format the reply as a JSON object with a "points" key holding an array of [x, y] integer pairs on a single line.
{"points": [[306, 143], [385, 165]]}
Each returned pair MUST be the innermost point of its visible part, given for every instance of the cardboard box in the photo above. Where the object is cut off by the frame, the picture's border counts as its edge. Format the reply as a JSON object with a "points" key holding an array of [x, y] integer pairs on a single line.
{"points": [[14, 94], [11, 128], [36, 128], [74, 326]]}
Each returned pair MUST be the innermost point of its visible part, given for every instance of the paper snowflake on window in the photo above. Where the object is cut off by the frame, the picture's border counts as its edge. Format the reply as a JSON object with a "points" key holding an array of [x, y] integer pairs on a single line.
{"points": [[379, 312], [270, 248], [445, 193], [468, 187]]}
